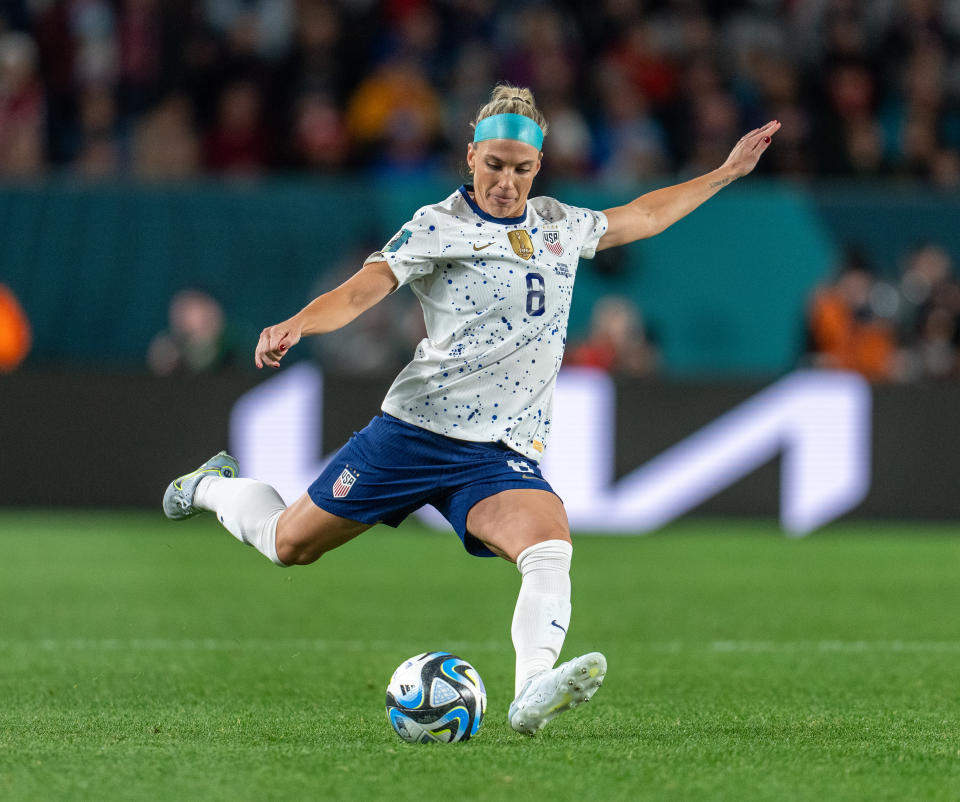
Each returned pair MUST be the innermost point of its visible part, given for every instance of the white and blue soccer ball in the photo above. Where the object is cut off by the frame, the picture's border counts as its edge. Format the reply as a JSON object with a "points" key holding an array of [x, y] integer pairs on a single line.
{"points": [[436, 697]]}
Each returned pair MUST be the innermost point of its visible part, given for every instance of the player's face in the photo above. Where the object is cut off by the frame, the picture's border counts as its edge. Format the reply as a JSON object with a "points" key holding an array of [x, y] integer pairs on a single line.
{"points": [[503, 171]]}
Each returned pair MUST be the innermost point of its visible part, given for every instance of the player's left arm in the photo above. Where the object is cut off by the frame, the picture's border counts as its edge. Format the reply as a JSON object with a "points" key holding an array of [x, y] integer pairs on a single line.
{"points": [[652, 213]]}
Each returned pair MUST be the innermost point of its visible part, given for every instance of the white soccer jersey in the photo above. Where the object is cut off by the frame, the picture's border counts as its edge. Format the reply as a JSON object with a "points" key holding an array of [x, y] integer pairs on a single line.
{"points": [[496, 298]]}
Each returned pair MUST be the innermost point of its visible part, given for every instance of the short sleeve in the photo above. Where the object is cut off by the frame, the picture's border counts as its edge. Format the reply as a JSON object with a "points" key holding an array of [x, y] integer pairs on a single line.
{"points": [[412, 252], [592, 225]]}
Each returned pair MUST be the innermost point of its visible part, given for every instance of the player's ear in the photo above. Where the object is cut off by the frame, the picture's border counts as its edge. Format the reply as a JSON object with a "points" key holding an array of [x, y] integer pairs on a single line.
{"points": [[471, 156]]}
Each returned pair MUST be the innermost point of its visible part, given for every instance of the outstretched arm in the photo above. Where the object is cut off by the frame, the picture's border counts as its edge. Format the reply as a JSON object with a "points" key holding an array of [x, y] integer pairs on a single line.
{"points": [[331, 311], [652, 213]]}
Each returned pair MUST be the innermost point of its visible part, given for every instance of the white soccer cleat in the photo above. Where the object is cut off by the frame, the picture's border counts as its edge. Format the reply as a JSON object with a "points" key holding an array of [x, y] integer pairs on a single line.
{"points": [[549, 693], [178, 499]]}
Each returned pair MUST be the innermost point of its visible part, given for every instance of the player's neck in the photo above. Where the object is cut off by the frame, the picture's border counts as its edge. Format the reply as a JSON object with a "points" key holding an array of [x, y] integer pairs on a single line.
{"points": [[514, 216]]}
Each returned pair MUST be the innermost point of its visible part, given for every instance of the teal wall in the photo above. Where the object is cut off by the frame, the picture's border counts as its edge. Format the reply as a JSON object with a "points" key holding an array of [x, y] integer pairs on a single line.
{"points": [[725, 287], [96, 265], [886, 220]]}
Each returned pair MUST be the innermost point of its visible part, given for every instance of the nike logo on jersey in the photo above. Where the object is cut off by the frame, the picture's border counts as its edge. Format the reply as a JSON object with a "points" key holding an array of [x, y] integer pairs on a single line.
{"points": [[482, 246], [555, 624]]}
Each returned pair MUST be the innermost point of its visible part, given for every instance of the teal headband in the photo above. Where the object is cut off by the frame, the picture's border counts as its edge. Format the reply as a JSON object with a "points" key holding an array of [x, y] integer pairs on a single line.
{"points": [[509, 126]]}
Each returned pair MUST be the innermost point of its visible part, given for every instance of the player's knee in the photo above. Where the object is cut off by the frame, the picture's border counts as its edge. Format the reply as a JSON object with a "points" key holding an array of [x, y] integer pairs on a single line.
{"points": [[550, 536], [515, 546], [541, 531], [292, 552], [559, 532]]}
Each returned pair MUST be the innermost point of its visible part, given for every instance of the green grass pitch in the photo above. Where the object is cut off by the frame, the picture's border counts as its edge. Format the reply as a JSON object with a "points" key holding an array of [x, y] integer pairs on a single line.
{"points": [[142, 659]]}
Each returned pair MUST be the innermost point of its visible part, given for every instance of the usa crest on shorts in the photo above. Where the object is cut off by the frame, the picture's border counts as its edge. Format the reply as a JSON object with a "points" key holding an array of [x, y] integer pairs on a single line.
{"points": [[344, 482]]}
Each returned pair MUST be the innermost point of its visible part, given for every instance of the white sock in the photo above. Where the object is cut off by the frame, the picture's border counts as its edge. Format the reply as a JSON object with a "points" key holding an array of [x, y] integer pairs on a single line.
{"points": [[247, 508], [542, 615]]}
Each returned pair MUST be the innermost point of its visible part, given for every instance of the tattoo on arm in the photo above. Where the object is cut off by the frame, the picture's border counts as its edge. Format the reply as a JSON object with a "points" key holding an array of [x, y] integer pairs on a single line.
{"points": [[721, 183]]}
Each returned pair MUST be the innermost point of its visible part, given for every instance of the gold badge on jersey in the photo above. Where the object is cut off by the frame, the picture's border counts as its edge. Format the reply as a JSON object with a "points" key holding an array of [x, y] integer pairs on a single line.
{"points": [[521, 242]]}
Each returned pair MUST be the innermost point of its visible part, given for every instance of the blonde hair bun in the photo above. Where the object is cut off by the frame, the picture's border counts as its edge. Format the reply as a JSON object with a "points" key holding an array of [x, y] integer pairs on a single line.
{"points": [[509, 99]]}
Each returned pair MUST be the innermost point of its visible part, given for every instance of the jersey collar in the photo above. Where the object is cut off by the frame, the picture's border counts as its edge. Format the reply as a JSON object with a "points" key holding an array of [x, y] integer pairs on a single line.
{"points": [[506, 221]]}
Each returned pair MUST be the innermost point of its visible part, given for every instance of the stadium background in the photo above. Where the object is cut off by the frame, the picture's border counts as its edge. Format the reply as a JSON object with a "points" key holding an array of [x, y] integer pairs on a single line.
{"points": [[216, 164]]}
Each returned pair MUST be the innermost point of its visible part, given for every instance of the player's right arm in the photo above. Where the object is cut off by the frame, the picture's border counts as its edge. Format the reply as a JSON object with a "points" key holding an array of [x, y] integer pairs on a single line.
{"points": [[329, 312]]}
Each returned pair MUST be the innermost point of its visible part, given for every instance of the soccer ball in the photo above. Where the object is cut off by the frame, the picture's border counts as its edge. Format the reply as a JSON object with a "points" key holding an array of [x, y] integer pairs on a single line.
{"points": [[436, 696]]}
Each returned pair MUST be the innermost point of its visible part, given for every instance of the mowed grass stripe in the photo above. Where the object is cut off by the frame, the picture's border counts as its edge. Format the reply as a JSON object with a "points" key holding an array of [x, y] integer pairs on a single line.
{"points": [[327, 645]]}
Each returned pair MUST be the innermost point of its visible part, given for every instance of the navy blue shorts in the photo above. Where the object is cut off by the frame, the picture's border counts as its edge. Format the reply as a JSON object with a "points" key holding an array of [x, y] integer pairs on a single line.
{"points": [[392, 468]]}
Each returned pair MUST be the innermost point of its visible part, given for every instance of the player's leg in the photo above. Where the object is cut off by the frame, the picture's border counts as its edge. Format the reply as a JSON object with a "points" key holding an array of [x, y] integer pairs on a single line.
{"points": [[305, 532], [530, 528], [513, 520], [254, 513]]}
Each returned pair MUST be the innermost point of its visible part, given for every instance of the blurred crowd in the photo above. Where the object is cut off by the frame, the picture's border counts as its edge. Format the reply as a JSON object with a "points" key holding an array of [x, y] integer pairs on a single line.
{"points": [[889, 331], [632, 88], [16, 334], [195, 340]]}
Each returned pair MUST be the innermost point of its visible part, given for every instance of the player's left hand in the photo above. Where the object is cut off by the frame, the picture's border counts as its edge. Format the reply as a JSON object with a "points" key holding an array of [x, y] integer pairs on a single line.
{"points": [[747, 152]]}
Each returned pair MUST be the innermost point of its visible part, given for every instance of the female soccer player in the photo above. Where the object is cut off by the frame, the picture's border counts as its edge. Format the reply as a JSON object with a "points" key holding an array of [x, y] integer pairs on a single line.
{"points": [[464, 425]]}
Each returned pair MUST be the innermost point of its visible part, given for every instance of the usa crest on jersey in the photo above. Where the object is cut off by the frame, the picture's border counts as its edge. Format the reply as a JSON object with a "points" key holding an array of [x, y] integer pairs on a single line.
{"points": [[552, 240], [344, 482]]}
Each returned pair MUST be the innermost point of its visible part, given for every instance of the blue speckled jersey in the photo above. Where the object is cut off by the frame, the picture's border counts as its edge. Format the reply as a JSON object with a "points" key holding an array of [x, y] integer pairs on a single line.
{"points": [[496, 298]]}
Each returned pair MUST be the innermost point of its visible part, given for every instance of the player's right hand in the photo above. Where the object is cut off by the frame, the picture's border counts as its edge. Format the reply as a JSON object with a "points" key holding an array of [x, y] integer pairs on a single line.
{"points": [[274, 343]]}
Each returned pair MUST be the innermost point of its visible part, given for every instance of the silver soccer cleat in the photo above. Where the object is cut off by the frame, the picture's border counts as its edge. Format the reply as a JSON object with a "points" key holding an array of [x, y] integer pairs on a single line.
{"points": [[550, 693], [178, 500]]}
